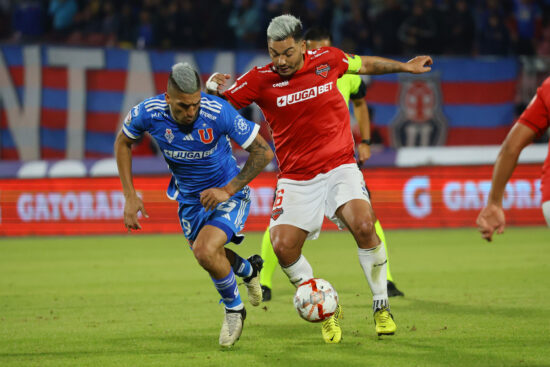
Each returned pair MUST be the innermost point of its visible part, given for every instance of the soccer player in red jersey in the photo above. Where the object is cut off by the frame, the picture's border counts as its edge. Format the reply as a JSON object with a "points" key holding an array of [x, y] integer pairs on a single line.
{"points": [[314, 147], [532, 123]]}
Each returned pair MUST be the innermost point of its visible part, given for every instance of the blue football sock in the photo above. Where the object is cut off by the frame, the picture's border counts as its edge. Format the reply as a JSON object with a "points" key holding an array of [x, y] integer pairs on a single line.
{"points": [[242, 267], [227, 287]]}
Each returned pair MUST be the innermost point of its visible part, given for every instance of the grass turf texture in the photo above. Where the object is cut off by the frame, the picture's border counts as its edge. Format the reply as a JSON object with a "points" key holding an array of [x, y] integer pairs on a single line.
{"points": [[144, 301]]}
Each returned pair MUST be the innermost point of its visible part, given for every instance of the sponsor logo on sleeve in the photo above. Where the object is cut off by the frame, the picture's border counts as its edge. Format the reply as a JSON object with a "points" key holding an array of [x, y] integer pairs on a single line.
{"points": [[232, 89], [241, 126], [128, 119], [135, 111]]}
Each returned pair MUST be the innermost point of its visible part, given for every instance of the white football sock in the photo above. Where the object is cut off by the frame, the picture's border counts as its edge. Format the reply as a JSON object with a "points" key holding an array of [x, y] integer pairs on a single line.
{"points": [[299, 271], [373, 261]]}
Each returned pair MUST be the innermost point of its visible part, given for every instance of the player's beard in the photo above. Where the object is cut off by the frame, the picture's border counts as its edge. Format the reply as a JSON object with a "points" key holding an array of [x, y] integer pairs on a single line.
{"points": [[288, 71], [185, 127]]}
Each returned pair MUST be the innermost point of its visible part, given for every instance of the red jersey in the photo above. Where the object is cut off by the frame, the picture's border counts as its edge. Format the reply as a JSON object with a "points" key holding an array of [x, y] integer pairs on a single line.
{"points": [[308, 116], [537, 117]]}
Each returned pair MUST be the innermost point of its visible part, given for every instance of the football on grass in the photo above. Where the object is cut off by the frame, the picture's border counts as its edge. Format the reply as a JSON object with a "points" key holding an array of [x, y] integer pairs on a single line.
{"points": [[315, 300]]}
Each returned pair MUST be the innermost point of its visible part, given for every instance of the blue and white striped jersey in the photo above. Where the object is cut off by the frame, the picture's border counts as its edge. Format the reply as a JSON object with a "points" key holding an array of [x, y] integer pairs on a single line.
{"points": [[201, 157]]}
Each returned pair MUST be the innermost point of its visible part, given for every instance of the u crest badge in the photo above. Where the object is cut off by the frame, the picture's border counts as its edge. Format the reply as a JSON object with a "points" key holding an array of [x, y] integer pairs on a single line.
{"points": [[206, 135]]}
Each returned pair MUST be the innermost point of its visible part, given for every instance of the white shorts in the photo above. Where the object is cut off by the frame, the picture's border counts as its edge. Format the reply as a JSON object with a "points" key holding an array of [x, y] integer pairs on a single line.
{"points": [[303, 204], [546, 211]]}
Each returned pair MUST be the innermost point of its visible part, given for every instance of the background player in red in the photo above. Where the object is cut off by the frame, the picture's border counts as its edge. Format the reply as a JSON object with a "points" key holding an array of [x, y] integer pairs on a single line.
{"points": [[314, 146], [532, 123]]}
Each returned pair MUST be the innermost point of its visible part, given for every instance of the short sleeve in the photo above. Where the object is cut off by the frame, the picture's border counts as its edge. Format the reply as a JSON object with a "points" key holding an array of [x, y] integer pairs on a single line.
{"points": [[244, 91], [134, 123], [536, 115], [241, 130]]}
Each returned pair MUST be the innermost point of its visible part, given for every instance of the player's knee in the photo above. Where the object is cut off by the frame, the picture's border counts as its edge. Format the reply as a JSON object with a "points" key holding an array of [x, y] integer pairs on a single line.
{"points": [[364, 230], [281, 245], [204, 254]]}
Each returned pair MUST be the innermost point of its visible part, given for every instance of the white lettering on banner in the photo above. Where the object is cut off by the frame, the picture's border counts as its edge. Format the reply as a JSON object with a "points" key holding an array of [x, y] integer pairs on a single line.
{"points": [[468, 195], [23, 116], [77, 61], [71, 206], [417, 198], [139, 82], [303, 95]]}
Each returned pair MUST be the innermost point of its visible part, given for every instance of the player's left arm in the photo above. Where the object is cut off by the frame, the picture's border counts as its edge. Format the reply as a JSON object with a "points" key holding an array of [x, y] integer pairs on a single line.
{"points": [[491, 218], [361, 113], [375, 65], [259, 157]]}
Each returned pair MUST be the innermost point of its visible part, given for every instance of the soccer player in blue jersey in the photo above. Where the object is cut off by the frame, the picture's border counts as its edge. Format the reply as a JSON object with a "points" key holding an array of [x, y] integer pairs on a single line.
{"points": [[193, 130]]}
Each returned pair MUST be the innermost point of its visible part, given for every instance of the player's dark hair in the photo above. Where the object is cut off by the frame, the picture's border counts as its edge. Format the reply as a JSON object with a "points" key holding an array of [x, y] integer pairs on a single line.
{"points": [[317, 34]]}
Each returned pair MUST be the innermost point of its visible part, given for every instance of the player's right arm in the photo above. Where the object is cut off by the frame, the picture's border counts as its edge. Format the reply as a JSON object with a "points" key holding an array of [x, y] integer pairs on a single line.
{"points": [[133, 203], [242, 93], [533, 122], [133, 126], [216, 84]]}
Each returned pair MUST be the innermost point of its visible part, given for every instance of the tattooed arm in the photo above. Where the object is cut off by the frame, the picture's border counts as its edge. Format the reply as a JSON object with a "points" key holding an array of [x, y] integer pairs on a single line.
{"points": [[260, 155], [375, 65]]}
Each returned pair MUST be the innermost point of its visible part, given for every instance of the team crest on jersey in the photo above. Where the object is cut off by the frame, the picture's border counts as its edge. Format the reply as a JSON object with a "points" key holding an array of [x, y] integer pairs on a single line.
{"points": [[206, 135], [322, 70], [169, 135], [276, 213], [241, 126], [420, 120]]}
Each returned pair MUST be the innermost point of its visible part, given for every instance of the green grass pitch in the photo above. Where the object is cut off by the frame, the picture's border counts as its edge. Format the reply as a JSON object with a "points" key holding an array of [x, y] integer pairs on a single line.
{"points": [[143, 301]]}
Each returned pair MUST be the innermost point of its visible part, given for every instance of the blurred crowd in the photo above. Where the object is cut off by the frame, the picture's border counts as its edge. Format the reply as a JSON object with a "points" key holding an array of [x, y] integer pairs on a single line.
{"points": [[384, 27]]}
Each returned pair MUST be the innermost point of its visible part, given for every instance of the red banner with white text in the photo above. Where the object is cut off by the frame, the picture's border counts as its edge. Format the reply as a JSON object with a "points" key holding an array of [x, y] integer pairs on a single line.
{"points": [[423, 197]]}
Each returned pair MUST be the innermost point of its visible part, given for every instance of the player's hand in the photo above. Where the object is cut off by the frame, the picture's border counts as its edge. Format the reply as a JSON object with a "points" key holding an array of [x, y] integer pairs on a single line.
{"points": [[364, 153], [210, 198], [419, 65], [491, 219], [132, 207], [216, 83]]}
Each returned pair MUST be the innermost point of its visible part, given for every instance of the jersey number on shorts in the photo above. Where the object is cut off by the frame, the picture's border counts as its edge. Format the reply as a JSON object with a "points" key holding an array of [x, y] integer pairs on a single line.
{"points": [[186, 227], [279, 198]]}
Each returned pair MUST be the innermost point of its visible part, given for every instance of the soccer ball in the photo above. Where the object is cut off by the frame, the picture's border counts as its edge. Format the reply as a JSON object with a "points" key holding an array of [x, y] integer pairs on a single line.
{"points": [[315, 300]]}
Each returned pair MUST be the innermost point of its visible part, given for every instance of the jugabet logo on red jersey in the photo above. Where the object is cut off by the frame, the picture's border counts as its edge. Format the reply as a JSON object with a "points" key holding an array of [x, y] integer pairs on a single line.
{"points": [[303, 95]]}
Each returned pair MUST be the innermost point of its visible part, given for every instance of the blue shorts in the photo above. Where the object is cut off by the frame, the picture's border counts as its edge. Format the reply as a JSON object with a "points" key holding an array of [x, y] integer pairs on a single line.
{"points": [[228, 216]]}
